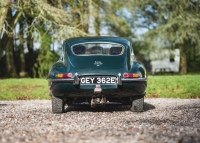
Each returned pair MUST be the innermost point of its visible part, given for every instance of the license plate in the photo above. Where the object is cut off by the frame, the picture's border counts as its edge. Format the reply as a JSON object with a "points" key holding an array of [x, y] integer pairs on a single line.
{"points": [[98, 80]]}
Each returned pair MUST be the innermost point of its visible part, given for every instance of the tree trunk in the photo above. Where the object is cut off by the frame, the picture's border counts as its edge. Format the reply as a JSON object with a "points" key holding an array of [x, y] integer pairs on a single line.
{"points": [[30, 59], [97, 20], [10, 66], [85, 16], [4, 4], [22, 72], [183, 64]]}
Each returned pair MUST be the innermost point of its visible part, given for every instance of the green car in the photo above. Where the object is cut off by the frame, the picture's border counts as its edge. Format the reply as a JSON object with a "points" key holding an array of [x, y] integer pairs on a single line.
{"points": [[97, 70]]}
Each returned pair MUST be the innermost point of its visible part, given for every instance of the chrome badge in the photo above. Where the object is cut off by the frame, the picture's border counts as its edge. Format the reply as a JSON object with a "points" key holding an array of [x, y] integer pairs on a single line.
{"points": [[98, 63]]}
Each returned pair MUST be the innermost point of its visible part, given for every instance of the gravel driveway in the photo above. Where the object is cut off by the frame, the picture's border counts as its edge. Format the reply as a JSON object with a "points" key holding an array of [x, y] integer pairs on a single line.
{"points": [[164, 120]]}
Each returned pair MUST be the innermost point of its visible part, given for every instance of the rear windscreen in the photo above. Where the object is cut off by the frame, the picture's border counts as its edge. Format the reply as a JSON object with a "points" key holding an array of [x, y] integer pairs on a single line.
{"points": [[98, 49]]}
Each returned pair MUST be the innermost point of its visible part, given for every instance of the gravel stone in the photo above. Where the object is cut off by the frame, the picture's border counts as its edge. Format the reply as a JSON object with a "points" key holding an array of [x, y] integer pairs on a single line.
{"points": [[163, 120]]}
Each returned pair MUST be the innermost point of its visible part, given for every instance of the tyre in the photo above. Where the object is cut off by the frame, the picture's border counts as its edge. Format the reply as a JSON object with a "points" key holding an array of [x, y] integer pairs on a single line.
{"points": [[137, 104], [57, 104]]}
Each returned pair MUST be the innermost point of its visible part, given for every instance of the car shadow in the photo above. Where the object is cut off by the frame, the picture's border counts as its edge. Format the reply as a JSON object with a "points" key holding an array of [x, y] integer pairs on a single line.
{"points": [[148, 106], [111, 107]]}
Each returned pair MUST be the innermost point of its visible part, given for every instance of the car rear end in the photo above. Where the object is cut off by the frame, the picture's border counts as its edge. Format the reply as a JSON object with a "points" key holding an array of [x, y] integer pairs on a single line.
{"points": [[98, 71]]}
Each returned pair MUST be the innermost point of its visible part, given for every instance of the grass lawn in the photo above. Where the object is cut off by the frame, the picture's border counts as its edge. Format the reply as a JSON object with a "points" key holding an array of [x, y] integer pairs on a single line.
{"points": [[174, 86], [169, 86], [24, 89]]}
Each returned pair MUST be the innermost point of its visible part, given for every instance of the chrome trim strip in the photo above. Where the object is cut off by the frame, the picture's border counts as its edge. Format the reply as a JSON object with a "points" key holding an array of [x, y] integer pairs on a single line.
{"points": [[61, 80], [134, 79], [123, 79]]}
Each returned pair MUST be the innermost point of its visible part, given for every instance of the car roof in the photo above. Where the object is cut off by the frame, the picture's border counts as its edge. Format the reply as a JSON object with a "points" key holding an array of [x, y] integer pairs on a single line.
{"points": [[76, 40]]}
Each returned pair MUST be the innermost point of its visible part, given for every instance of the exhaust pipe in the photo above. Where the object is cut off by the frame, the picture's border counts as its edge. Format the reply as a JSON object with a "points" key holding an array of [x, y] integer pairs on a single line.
{"points": [[93, 101], [103, 101]]}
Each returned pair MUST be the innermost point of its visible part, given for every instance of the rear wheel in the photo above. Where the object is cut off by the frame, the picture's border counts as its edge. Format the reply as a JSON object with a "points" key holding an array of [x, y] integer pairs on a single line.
{"points": [[57, 104], [137, 104]]}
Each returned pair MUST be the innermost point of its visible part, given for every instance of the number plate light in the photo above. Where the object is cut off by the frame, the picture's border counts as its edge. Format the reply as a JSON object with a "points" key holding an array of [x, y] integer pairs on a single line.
{"points": [[98, 89]]}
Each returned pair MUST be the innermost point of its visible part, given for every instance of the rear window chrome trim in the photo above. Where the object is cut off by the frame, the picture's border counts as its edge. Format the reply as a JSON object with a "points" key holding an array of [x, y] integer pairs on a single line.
{"points": [[123, 48]]}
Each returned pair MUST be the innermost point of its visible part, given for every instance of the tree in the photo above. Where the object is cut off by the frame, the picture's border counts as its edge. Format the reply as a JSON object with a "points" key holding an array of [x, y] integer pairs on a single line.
{"points": [[176, 22], [37, 14], [55, 20]]}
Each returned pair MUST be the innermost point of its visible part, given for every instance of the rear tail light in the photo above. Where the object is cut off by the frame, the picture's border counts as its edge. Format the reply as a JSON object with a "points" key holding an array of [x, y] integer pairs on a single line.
{"points": [[131, 75], [64, 75]]}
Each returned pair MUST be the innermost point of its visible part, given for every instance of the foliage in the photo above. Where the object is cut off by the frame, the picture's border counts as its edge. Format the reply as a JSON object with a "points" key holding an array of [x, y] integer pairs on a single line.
{"points": [[52, 20], [172, 24], [45, 57]]}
